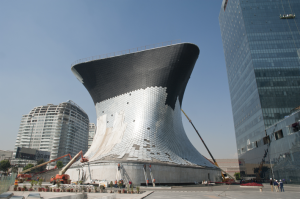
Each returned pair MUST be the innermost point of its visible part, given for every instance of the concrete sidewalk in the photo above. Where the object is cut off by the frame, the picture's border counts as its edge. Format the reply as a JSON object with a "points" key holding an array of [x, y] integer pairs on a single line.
{"points": [[233, 188], [220, 194], [48, 195]]}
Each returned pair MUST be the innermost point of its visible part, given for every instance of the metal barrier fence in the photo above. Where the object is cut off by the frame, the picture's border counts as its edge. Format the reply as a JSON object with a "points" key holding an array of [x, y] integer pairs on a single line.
{"points": [[6, 182], [124, 52]]}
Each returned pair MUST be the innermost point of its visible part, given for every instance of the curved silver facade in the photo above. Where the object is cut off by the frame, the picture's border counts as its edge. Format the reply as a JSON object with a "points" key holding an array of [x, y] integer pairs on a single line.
{"points": [[138, 103], [139, 126]]}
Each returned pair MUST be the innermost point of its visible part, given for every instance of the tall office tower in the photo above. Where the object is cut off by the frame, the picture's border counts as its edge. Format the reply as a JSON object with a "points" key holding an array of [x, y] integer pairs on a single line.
{"points": [[138, 97], [261, 41], [92, 132], [59, 129]]}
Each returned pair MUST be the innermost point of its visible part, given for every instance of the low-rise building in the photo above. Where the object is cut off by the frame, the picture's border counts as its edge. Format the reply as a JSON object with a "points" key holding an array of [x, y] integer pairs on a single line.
{"points": [[6, 155], [230, 166]]}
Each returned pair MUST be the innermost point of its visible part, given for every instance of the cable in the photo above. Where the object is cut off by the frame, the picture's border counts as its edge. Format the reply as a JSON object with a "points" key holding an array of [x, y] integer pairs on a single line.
{"points": [[294, 18], [289, 26]]}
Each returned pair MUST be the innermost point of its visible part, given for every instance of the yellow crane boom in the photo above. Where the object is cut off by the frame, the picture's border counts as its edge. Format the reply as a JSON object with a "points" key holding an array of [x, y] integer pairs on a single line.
{"points": [[215, 162], [40, 165], [61, 172]]}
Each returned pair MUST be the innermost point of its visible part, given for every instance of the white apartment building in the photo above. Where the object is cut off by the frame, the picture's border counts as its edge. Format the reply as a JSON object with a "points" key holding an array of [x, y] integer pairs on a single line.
{"points": [[59, 129], [92, 132]]}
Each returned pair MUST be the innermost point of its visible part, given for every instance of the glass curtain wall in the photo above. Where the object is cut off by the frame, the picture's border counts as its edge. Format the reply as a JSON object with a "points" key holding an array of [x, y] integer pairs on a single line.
{"points": [[261, 41]]}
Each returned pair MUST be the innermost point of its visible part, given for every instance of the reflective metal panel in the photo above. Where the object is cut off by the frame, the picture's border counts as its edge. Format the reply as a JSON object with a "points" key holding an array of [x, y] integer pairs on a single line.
{"points": [[148, 130]]}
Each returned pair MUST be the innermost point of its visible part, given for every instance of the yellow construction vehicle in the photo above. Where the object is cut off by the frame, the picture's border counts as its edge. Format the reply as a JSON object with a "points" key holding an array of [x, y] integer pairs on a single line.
{"points": [[22, 176], [65, 178]]}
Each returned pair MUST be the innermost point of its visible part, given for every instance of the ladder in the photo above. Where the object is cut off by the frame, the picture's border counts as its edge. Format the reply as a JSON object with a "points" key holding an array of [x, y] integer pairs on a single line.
{"points": [[125, 175], [151, 174], [89, 171], [145, 174]]}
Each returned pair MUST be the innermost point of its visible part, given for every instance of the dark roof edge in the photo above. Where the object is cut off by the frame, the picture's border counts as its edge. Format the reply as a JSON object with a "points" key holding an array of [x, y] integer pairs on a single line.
{"points": [[133, 53]]}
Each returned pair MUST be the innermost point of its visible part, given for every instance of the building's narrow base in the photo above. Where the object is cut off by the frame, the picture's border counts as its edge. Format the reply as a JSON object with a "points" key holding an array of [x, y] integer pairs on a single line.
{"points": [[162, 173]]}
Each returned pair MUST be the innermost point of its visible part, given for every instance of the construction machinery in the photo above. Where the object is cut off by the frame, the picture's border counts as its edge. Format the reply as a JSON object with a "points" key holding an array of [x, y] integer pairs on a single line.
{"points": [[65, 178], [22, 176], [215, 162]]}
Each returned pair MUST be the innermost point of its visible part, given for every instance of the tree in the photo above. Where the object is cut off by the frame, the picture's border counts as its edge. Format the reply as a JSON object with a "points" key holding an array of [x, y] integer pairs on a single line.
{"points": [[237, 176], [28, 166], [5, 165], [111, 184], [14, 170], [59, 164], [42, 168]]}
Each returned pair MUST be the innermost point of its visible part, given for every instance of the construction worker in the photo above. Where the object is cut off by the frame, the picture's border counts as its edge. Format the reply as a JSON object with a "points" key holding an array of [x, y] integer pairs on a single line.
{"points": [[145, 167], [116, 183], [147, 181], [16, 182], [150, 167], [119, 166]]}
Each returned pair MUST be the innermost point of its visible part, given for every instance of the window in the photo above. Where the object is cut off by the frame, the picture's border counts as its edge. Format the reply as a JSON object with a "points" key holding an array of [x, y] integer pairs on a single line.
{"points": [[295, 127], [266, 140], [278, 135]]}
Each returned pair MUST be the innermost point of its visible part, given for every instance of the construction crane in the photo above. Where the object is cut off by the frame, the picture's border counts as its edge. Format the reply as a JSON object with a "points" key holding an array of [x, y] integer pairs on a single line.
{"points": [[65, 178], [215, 162], [22, 176]]}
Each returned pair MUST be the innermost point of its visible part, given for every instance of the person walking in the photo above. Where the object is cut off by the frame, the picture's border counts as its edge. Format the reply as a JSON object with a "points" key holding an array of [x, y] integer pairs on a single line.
{"points": [[281, 186], [271, 184], [276, 185]]}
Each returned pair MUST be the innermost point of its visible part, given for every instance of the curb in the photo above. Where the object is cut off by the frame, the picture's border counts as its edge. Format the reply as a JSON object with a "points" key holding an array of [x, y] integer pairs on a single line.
{"points": [[147, 194]]}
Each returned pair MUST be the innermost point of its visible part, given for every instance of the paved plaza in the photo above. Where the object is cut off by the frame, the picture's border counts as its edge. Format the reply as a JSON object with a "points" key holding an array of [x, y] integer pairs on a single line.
{"points": [[220, 194], [224, 191], [184, 192]]}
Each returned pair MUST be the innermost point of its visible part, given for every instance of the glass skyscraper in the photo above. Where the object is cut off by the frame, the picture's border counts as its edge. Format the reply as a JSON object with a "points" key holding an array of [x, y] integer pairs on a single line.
{"points": [[261, 41]]}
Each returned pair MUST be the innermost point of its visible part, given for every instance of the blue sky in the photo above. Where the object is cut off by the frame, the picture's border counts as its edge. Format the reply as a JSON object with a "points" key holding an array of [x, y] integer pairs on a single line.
{"points": [[40, 39]]}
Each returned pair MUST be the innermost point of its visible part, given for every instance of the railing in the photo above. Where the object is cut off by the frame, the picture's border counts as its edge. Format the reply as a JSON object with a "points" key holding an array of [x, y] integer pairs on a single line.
{"points": [[128, 51], [6, 182]]}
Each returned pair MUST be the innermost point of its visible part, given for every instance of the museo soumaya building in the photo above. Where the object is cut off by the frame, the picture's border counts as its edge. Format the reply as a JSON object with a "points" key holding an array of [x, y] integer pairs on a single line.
{"points": [[261, 41], [138, 96]]}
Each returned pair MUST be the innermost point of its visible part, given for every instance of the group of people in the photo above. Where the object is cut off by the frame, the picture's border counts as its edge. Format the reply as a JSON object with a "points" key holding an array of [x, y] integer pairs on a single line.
{"points": [[122, 183], [277, 185]]}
